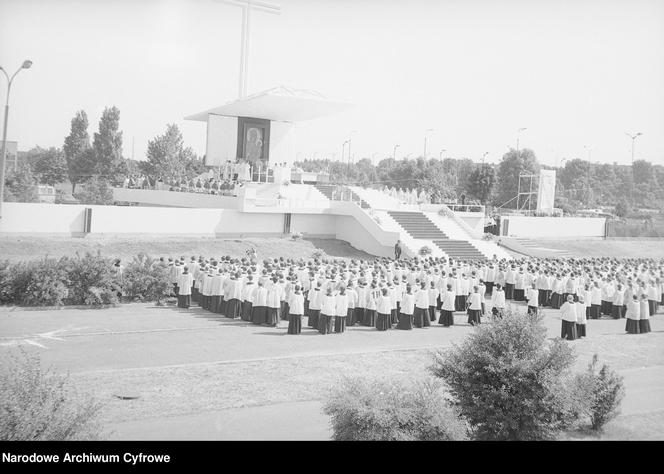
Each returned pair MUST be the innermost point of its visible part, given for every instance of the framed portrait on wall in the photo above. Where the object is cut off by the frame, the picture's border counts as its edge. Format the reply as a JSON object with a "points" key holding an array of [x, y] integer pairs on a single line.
{"points": [[253, 143]]}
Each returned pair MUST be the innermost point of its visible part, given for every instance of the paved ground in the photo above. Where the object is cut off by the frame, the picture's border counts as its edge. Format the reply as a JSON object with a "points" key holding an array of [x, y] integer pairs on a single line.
{"points": [[201, 376]]}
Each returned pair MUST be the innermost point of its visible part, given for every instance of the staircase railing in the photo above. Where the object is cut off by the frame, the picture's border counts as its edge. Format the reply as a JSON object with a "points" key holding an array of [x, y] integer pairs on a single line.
{"points": [[461, 223]]}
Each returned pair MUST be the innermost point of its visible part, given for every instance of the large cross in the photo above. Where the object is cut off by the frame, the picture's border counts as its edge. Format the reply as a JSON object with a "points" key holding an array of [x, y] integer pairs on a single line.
{"points": [[247, 6]]}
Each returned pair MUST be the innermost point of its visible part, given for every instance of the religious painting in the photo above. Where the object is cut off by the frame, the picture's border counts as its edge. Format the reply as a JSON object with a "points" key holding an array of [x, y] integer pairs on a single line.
{"points": [[253, 142]]}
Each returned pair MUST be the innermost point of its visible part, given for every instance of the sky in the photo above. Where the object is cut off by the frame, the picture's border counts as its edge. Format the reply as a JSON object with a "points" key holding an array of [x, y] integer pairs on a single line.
{"points": [[576, 74]]}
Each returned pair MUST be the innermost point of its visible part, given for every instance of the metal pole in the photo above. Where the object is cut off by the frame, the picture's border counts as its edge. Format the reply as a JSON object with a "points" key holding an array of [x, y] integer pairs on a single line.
{"points": [[3, 156], [244, 52]]}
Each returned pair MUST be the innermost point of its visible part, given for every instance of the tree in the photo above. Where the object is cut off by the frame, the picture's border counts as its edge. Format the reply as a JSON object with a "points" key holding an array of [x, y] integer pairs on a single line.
{"points": [[643, 172], [509, 382], [168, 157], [80, 163], [97, 191], [49, 166], [20, 185], [509, 169], [481, 181], [107, 145], [622, 208]]}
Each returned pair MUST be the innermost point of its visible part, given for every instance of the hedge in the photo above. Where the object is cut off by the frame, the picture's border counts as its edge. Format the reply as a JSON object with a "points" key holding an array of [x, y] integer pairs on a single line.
{"points": [[89, 280]]}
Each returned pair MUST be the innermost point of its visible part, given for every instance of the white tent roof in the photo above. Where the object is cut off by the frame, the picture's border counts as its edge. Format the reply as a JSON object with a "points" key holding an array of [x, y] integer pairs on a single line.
{"points": [[280, 104]]}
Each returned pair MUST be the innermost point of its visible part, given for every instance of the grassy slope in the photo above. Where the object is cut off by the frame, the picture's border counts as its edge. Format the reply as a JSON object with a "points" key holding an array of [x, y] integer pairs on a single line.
{"points": [[591, 248], [28, 247]]}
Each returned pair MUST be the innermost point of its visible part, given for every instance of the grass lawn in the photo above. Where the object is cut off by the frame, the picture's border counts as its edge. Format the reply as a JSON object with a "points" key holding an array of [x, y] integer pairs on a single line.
{"points": [[651, 248], [30, 247]]}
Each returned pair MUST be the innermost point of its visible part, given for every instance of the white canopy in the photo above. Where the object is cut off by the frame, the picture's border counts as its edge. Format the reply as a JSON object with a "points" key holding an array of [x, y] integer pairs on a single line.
{"points": [[280, 104]]}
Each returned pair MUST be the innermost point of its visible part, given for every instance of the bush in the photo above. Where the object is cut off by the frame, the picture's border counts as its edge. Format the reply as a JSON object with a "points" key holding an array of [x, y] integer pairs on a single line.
{"points": [[317, 254], [508, 381], [39, 405], [41, 283], [6, 282], [604, 391], [425, 250], [145, 279], [91, 280], [487, 236], [97, 191], [367, 410]]}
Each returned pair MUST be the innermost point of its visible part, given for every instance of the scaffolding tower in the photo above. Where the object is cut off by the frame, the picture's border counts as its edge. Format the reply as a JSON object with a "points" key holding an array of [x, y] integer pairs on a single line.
{"points": [[528, 195]]}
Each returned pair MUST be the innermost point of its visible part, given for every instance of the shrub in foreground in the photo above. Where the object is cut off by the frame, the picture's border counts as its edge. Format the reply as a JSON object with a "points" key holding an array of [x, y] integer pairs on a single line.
{"points": [[91, 280], [41, 283], [364, 410], [145, 279], [604, 390], [509, 382], [38, 405]]}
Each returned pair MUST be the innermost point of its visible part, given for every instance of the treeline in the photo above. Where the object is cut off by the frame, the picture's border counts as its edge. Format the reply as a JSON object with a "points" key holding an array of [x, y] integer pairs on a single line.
{"points": [[98, 162], [580, 184]]}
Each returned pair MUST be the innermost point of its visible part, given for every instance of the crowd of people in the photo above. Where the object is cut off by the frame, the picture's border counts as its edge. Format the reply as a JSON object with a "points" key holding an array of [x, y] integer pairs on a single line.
{"points": [[223, 180], [329, 295]]}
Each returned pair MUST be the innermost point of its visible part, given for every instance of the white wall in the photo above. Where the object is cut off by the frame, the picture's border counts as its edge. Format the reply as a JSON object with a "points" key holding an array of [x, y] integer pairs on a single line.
{"points": [[314, 224], [221, 140], [67, 219], [553, 227], [20, 217], [282, 143], [350, 230]]}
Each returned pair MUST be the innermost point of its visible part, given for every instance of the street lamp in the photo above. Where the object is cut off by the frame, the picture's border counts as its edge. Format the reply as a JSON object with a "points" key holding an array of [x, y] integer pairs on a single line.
{"points": [[349, 141], [394, 152], [441, 154], [633, 137], [26, 65], [425, 141], [589, 150], [484, 156]]}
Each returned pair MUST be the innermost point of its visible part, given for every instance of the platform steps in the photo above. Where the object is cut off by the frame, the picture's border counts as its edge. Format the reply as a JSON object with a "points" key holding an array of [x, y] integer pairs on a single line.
{"points": [[419, 226]]}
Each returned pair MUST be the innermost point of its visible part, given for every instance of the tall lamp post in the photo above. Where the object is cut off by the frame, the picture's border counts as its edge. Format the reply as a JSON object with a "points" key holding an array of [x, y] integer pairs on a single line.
{"points": [[394, 152], [349, 141], [484, 157], [26, 65], [633, 137], [440, 155], [425, 141], [343, 151]]}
